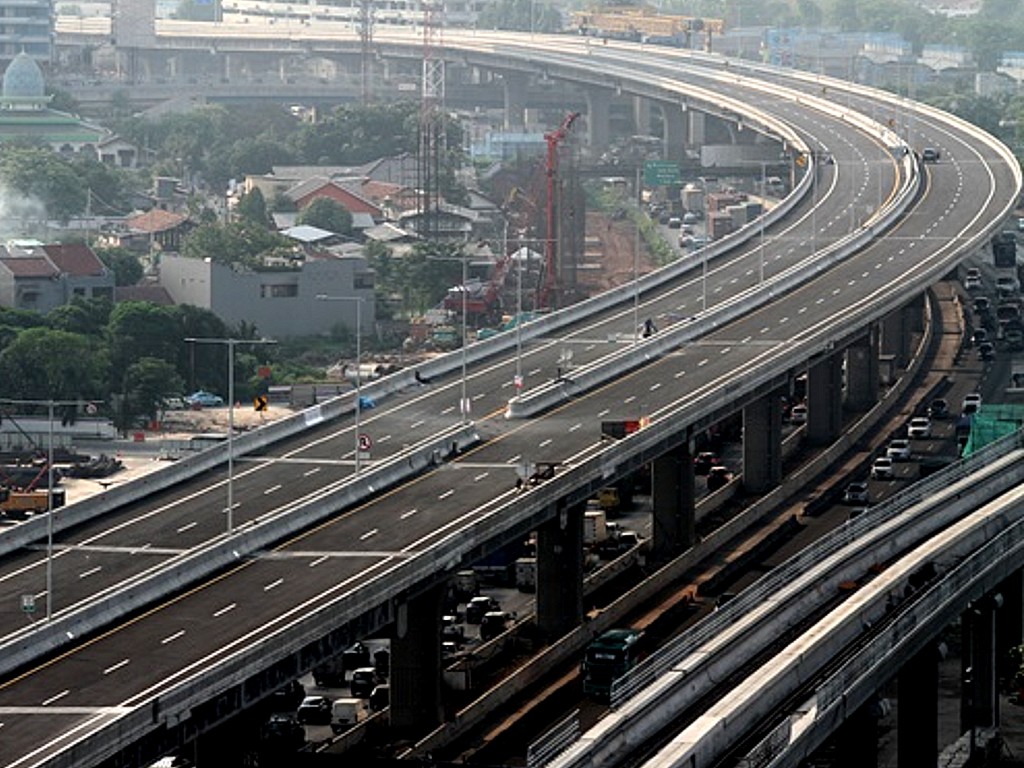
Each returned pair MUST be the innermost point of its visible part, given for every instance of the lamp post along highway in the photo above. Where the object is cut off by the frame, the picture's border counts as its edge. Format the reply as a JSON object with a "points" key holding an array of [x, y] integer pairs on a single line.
{"points": [[359, 372], [230, 343], [464, 406], [50, 405]]}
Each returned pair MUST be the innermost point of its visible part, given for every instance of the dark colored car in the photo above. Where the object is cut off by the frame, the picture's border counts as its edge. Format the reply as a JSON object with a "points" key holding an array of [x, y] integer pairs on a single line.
{"points": [[283, 732], [363, 681], [704, 461], [314, 710], [478, 606], [938, 409], [718, 477]]}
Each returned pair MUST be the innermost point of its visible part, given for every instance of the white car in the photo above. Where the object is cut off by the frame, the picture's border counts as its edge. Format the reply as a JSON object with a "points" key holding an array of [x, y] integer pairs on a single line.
{"points": [[920, 428], [856, 493], [798, 414], [898, 450], [883, 469], [970, 404], [972, 282]]}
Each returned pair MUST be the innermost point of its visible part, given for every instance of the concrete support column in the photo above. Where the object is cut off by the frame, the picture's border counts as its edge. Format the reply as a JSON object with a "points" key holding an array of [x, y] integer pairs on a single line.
{"points": [[673, 502], [515, 86], [825, 400], [673, 131], [560, 573], [917, 709], [762, 443], [226, 73], [983, 662], [416, 705], [642, 115], [1010, 622], [896, 338], [598, 100], [857, 740], [862, 374], [698, 124], [914, 310]]}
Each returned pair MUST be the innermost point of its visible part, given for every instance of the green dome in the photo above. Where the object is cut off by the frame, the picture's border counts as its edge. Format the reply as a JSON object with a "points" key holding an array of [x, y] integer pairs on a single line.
{"points": [[23, 79]]}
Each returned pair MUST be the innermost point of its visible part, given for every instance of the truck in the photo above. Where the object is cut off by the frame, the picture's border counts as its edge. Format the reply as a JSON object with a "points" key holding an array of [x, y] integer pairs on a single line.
{"points": [[595, 528], [346, 712], [607, 658], [16, 504], [526, 574]]}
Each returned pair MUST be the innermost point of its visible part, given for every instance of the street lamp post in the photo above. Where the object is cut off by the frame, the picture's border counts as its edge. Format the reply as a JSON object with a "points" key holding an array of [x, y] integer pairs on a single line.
{"points": [[764, 189], [230, 344], [464, 406], [50, 404], [359, 369]]}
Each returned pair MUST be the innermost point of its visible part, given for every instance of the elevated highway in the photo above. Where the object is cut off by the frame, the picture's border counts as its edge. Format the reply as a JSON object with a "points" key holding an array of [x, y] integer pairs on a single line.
{"points": [[193, 659]]}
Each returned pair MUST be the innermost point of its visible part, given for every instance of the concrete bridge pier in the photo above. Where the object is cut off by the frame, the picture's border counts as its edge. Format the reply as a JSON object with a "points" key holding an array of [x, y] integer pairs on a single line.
{"points": [[642, 108], [673, 494], [762, 443], [697, 127], [979, 705], [598, 117], [857, 739], [896, 337], [825, 400], [415, 679], [673, 131], [862, 372], [1010, 627], [560, 573], [514, 92], [917, 709]]}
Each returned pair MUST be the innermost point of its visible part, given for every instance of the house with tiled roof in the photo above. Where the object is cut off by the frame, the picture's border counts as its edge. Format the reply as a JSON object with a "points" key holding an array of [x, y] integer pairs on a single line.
{"points": [[43, 278], [155, 229], [305, 192]]}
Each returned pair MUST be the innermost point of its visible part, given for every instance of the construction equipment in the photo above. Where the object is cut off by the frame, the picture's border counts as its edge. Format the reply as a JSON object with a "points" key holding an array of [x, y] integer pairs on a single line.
{"points": [[17, 504], [553, 139], [632, 23]]}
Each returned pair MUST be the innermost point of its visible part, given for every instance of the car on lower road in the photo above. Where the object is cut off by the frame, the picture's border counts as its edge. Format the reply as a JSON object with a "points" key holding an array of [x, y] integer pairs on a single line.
{"points": [[883, 469], [314, 710], [938, 408], [856, 493], [919, 428], [204, 399], [898, 449]]}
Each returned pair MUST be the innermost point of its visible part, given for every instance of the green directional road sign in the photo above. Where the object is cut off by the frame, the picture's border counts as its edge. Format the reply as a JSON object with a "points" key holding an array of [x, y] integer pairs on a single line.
{"points": [[660, 173]]}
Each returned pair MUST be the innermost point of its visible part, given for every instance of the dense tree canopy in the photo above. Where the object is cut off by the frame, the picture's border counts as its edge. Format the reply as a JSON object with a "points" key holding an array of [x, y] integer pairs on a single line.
{"points": [[325, 213]]}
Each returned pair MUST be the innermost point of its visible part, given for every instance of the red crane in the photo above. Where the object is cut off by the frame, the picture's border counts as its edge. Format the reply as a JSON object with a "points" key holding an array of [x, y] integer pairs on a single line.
{"points": [[553, 138]]}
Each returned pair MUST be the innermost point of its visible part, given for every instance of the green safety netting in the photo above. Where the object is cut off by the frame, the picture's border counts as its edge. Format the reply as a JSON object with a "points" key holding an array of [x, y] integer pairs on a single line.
{"points": [[990, 423]]}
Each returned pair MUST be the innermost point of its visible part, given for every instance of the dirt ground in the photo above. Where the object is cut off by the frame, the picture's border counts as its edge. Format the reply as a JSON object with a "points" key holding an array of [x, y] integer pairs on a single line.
{"points": [[608, 259]]}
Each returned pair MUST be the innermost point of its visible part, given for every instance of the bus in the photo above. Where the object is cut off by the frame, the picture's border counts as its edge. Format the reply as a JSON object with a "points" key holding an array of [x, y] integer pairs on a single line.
{"points": [[608, 658]]}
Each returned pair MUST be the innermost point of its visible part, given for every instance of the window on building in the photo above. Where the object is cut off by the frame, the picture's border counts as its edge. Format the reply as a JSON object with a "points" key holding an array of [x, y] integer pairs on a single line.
{"points": [[286, 291], [363, 281]]}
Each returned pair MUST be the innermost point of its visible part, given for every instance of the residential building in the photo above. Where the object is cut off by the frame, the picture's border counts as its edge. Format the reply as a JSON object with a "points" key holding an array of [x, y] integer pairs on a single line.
{"points": [[280, 300], [41, 278], [26, 26]]}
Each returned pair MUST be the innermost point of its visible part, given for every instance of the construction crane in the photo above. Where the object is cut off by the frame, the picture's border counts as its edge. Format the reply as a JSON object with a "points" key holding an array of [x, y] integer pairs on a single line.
{"points": [[553, 139]]}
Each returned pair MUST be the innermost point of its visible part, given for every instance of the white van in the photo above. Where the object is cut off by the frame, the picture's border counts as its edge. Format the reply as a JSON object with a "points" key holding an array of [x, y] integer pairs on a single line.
{"points": [[346, 712]]}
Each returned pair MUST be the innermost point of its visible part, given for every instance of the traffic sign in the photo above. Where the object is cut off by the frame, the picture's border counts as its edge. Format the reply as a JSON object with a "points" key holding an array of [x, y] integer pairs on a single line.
{"points": [[28, 603], [660, 173], [365, 442], [261, 402]]}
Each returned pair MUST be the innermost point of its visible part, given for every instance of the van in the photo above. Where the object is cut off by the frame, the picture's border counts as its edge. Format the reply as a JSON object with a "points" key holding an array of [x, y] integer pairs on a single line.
{"points": [[346, 712]]}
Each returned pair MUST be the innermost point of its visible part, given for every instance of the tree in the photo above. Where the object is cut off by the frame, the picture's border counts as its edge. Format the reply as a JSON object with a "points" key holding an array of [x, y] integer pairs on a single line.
{"points": [[326, 213], [148, 383], [42, 364], [85, 316], [126, 266], [252, 207], [42, 176], [139, 329], [238, 242]]}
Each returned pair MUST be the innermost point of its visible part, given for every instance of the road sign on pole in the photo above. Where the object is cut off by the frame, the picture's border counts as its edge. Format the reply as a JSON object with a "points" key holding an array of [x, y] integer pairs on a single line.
{"points": [[660, 173], [365, 442]]}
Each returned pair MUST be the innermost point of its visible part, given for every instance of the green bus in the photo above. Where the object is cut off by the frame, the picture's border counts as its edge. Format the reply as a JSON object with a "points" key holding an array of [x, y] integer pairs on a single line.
{"points": [[608, 657]]}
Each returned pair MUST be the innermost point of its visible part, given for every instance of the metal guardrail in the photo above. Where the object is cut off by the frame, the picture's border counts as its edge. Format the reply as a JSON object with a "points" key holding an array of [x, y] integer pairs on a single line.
{"points": [[29, 643], [540, 752]]}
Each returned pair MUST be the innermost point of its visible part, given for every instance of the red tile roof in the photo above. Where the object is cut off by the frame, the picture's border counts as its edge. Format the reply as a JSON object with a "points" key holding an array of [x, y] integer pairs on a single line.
{"points": [[29, 266], [156, 220], [75, 259]]}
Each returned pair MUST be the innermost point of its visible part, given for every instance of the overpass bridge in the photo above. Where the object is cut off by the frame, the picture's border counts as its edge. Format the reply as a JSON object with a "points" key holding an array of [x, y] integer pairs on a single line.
{"points": [[374, 559]]}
